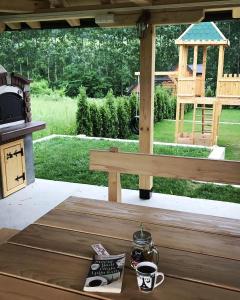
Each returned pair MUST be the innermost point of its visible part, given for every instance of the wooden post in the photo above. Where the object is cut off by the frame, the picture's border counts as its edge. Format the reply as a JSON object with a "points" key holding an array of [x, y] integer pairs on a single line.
{"points": [[114, 184], [182, 72], [220, 66], [195, 60], [177, 122], [181, 127], [216, 115], [146, 125], [203, 79]]}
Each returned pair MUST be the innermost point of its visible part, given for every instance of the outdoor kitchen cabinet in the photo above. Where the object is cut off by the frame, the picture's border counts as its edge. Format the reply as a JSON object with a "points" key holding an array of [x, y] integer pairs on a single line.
{"points": [[13, 170]]}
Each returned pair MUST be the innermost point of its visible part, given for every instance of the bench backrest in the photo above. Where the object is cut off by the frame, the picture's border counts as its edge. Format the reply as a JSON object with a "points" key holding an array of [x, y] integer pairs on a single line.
{"points": [[115, 163]]}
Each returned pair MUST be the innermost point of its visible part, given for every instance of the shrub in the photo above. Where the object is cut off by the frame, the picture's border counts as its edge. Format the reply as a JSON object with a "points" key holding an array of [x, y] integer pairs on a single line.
{"points": [[84, 124], [133, 105], [96, 120], [40, 88], [113, 121], [112, 117], [124, 119], [209, 92], [164, 104], [106, 120]]}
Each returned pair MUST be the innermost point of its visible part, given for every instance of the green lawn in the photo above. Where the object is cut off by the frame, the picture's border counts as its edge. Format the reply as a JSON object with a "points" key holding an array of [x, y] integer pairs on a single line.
{"points": [[229, 134], [227, 115], [68, 160], [59, 115]]}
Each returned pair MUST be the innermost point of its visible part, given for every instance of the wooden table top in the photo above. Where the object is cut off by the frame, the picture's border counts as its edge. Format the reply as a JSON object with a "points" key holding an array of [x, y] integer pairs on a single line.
{"points": [[200, 255]]}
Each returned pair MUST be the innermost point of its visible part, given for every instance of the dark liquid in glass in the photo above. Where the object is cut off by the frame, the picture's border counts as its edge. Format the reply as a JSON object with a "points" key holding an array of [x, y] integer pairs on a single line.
{"points": [[146, 269]]}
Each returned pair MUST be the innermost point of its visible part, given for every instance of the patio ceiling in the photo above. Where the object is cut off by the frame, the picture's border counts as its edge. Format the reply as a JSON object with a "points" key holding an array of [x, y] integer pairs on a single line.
{"points": [[16, 15]]}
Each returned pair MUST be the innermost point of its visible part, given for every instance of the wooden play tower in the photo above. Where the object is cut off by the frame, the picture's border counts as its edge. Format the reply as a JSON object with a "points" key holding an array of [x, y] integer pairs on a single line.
{"points": [[191, 87]]}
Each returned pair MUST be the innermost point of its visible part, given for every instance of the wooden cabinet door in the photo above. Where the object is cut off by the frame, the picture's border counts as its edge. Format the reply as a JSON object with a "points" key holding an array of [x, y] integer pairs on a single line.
{"points": [[13, 167]]}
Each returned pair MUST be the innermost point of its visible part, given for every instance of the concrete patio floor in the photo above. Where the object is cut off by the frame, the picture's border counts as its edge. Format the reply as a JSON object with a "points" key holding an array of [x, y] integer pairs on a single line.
{"points": [[27, 205]]}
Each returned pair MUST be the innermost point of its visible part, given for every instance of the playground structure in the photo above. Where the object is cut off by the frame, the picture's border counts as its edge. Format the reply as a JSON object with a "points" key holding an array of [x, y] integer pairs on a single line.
{"points": [[191, 86], [191, 89]]}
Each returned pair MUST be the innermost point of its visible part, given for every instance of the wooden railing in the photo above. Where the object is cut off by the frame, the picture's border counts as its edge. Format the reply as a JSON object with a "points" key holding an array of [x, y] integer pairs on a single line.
{"points": [[229, 86], [115, 163], [186, 87]]}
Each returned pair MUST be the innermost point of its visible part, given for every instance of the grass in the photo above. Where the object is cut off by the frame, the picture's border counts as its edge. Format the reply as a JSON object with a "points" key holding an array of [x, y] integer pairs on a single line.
{"points": [[68, 160], [59, 115], [227, 115], [229, 134]]}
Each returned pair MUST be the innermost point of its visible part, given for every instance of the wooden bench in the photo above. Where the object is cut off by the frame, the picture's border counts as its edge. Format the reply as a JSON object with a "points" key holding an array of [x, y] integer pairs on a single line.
{"points": [[115, 163]]}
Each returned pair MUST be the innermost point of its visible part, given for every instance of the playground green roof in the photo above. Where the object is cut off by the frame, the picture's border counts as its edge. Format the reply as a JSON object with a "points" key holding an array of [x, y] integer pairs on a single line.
{"points": [[203, 32]]}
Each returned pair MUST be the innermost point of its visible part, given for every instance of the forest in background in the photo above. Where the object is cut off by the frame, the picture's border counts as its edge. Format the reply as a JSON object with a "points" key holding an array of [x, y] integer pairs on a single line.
{"points": [[101, 59]]}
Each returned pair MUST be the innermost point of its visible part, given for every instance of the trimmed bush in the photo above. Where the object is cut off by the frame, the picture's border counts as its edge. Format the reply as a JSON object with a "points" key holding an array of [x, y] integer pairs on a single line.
{"points": [[113, 121], [113, 117], [96, 119], [106, 119], [84, 124], [124, 119]]}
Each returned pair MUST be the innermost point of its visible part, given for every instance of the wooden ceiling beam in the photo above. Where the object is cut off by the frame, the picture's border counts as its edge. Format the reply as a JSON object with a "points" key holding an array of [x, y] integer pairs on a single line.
{"points": [[10, 6], [14, 26], [142, 2], [159, 18], [34, 25], [73, 22], [70, 13], [236, 13], [2, 27], [64, 3]]}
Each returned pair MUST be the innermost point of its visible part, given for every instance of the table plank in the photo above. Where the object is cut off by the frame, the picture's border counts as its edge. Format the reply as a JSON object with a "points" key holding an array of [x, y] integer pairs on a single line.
{"points": [[17, 289], [153, 215], [69, 273], [181, 264], [165, 236]]}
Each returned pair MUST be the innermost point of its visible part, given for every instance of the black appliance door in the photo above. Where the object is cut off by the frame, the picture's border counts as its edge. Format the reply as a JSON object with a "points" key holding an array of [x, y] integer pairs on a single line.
{"points": [[11, 108]]}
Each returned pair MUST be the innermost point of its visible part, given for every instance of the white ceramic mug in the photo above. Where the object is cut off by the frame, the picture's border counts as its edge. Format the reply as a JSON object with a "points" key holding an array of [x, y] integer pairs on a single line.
{"points": [[147, 275]]}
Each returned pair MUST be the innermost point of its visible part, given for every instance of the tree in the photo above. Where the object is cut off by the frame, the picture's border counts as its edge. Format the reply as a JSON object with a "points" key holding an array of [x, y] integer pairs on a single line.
{"points": [[84, 125], [96, 119]]}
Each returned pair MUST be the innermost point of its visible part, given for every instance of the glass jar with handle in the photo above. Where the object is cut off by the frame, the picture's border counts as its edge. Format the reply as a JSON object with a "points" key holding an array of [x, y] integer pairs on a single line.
{"points": [[143, 248]]}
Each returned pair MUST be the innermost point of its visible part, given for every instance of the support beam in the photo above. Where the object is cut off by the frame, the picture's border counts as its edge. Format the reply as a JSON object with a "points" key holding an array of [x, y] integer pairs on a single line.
{"points": [[14, 26], [64, 3], [204, 68], [142, 2], [203, 79], [220, 66], [34, 25], [236, 13], [183, 11], [73, 22], [125, 19], [146, 126], [2, 27], [22, 6]]}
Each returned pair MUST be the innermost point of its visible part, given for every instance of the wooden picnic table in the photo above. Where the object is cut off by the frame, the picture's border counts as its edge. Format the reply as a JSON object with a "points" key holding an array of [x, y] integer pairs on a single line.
{"points": [[199, 254]]}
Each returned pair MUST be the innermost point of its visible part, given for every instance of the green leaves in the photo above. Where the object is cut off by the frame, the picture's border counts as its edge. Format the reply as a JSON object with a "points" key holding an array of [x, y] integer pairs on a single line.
{"points": [[84, 124]]}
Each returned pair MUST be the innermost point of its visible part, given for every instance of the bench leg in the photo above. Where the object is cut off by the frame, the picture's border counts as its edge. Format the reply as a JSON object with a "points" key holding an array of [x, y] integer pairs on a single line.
{"points": [[114, 187]]}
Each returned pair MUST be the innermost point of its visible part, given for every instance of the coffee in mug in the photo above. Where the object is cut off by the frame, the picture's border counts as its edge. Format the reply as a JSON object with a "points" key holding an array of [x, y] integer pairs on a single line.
{"points": [[147, 275]]}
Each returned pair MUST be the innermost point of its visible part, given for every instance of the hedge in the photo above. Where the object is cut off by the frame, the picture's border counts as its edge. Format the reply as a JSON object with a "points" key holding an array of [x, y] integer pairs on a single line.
{"points": [[112, 116]]}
